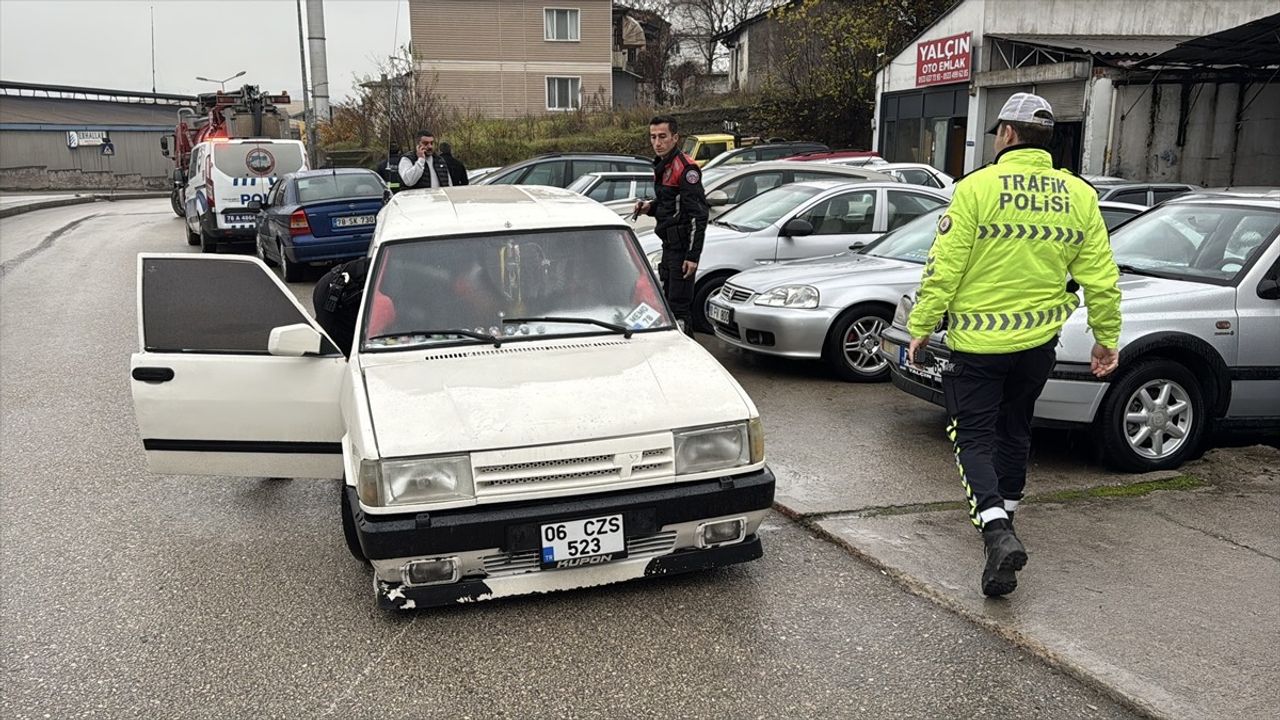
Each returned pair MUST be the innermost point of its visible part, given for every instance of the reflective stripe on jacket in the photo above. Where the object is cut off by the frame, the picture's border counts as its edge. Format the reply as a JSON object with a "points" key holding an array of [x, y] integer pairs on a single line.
{"points": [[1001, 255]]}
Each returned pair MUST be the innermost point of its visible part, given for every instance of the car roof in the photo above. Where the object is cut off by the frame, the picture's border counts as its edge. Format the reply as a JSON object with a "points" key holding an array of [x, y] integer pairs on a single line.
{"points": [[1107, 180], [478, 209], [869, 185], [1262, 196], [806, 167], [1113, 205]]}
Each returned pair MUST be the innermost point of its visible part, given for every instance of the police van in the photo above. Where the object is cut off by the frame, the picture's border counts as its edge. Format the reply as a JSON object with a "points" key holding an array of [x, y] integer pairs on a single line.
{"points": [[224, 177]]}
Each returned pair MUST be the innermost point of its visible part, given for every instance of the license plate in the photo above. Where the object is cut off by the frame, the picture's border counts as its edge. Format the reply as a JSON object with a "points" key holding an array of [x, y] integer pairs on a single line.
{"points": [[354, 220], [583, 542], [722, 315], [239, 218]]}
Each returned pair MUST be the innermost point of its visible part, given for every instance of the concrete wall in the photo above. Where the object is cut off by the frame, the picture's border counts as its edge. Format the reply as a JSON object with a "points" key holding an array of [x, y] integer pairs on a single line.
{"points": [[41, 160], [1147, 119]]}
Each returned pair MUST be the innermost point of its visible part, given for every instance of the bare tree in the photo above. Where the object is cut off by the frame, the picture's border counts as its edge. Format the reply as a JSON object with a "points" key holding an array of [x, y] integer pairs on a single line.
{"points": [[702, 20]]}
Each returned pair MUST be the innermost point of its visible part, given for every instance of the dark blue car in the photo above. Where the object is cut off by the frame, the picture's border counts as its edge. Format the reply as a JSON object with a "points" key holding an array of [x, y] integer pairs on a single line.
{"points": [[318, 216]]}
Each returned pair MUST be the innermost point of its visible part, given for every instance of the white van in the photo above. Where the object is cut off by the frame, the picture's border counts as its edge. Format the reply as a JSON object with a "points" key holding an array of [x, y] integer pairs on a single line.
{"points": [[224, 177], [519, 413]]}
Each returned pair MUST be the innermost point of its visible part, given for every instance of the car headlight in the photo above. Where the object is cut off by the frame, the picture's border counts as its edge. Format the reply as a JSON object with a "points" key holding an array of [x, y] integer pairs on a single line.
{"points": [[384, 483], [903, 311], [655, 259], [722, 447], [790, 296]]}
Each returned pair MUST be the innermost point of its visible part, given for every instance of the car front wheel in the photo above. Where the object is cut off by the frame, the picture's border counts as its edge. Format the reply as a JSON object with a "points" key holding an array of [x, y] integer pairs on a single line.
{"points": [[854, 342], [1153, 417], [701, 300]]}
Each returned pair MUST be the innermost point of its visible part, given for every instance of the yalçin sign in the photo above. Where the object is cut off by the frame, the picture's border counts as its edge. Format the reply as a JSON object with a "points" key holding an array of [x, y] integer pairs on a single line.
{"points": [[945, 60]]}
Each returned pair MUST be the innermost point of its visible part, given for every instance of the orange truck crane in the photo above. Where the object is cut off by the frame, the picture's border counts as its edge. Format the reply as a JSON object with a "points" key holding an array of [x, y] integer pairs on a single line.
{"points": [[243, 113]]}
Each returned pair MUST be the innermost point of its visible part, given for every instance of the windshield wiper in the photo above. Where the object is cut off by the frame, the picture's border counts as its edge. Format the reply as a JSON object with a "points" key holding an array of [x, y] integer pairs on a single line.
{"points": [[497, 341], [626, 332], [1136, 270]]}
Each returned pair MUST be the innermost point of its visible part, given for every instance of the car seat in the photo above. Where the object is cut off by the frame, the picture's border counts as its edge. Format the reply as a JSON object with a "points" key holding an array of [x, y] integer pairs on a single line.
{"points": [[836, 221]]}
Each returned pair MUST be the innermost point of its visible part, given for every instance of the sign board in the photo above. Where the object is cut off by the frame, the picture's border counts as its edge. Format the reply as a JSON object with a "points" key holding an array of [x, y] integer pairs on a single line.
{"points": [[108, 149], [945, 60], [85, 138]]}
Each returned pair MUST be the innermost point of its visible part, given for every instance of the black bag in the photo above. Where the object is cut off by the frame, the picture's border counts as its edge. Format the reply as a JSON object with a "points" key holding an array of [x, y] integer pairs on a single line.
{"points": [[336, 300]]}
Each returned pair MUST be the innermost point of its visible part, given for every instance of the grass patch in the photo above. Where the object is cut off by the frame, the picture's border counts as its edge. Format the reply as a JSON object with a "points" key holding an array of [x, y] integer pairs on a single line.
{"points": [[1133, 490]]}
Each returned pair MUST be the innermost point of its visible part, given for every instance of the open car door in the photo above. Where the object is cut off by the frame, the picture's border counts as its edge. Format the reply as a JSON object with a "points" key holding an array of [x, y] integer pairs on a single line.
{"points": [[233, 377]]}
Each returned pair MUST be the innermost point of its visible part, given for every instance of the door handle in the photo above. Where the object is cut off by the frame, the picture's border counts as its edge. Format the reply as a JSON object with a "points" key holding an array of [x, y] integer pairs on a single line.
{"points": [[153, 374]]}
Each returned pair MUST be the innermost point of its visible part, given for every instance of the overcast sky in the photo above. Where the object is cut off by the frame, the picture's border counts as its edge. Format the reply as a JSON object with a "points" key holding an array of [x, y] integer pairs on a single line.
{"points": [[107, 44]]}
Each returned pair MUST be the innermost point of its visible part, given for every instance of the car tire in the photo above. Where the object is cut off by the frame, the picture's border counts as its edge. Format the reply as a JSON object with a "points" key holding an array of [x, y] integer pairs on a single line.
{"points": [[852, 348], [705, 290], [207, 244], [192, 237], [290, 272], [175, 200], [262, 252], [1168, 395], [349, 527]]}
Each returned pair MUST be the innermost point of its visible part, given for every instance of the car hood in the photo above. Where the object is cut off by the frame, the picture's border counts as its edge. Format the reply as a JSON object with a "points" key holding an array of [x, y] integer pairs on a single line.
{"points": [[545, 392], [714, 234], [829, 271]]}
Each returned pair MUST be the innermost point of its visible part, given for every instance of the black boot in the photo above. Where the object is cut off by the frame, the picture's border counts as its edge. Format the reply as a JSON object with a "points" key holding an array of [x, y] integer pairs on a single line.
{"points": [[1005, 557]]}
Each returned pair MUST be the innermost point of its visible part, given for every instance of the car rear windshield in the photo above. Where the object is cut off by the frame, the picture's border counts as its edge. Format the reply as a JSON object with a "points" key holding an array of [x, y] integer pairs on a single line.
{"points": [[768, 207], [911, 242], [315, 188], [482, 285], [250, 159], [1211, 242]]}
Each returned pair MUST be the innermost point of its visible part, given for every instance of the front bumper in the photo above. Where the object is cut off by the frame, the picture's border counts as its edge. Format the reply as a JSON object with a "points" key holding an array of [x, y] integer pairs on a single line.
{"points": [[1069, 398], [497, 547], [785, 332]]}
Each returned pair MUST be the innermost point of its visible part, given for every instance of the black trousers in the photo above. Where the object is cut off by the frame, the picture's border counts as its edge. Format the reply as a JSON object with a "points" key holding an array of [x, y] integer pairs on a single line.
{"points": [[675, 286], [991, 399]]}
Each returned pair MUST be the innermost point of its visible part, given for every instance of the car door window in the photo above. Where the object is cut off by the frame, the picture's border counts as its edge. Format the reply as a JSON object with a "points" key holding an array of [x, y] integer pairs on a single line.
{"points": [[509, 178], [904, 207], [846, 214], [1161, 194], [1112, 217], [250, 304], [1137, 197], [807, 175], [751, 185], [916, 176], [710, 150], [633, 166], [277, 195], [195, 162], [547, 173], [582, 167], [611, 189]]}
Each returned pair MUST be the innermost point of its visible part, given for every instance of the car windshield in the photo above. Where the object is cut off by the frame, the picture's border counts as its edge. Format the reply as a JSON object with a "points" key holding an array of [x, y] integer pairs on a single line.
{"points": [[911, 242], [768, 207], [582, 183], [711, 174], [1210, 242], [315, 188], [574, 281]]}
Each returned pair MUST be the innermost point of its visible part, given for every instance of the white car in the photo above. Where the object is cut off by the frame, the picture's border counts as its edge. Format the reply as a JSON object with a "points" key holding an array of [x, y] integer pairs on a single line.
{"points": [[224, 177], [801, 220], [918, 174], [519, 413]]}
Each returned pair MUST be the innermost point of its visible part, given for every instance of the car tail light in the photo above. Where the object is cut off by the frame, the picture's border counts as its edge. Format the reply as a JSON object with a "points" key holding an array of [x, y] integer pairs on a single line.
{"points": [[298, 224]]}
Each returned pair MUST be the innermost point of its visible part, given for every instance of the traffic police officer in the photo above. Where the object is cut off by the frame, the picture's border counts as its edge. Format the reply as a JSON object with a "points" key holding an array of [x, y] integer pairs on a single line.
{"points": [[997, 271], [680, 206]]}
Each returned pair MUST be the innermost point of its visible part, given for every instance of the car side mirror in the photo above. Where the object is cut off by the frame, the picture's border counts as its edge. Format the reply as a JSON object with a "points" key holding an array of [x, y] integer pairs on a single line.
{"points": [[386, 196], [1269, 289], [294, 341], [164, 145], [797, 227], [858, 245], [716, 198], [255, 205], [177, 176]]}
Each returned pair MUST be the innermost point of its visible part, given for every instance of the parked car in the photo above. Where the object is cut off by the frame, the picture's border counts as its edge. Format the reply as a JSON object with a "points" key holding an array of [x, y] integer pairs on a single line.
{"points": [[763, 151], [1147, 194], [318, 216], [1200, 346], [561, 169], [224, 177], [608, 187], [828, 155], [729, 185], [519, 413], [801, 220], [917, 174], [475, 175], [834, 308]]}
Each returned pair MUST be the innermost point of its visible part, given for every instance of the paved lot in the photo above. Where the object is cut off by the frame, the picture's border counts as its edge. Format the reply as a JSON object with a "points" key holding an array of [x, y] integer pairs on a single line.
{"points": [[126, 594]]}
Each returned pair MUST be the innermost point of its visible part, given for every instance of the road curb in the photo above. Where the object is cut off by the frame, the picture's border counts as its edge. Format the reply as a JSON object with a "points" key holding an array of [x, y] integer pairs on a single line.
{"points": [[1020, 639], [82, 200]]}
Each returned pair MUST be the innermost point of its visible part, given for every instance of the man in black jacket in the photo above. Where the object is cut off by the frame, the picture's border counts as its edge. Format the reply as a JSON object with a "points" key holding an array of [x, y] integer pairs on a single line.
{"points": [[424, 169], [336, 301], [457, 171], [680, 206]]}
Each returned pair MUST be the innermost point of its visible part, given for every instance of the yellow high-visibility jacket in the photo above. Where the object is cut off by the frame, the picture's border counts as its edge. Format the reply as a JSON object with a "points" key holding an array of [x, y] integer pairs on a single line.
{"points": [[1000, 259]]}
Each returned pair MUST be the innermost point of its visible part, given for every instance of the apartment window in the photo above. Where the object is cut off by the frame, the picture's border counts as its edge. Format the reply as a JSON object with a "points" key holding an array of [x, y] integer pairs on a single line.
{"points": [[560, 24], [563, 93]]}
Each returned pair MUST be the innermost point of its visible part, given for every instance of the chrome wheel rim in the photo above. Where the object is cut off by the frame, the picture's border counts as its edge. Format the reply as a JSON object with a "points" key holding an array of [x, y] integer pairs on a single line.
{"points": [[862, 344], [1158, 418]]}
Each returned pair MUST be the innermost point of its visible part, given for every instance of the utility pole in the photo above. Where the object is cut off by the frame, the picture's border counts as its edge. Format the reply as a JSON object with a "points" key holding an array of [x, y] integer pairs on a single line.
{"points": [[153, 49], [308, 117], [319, 63]]}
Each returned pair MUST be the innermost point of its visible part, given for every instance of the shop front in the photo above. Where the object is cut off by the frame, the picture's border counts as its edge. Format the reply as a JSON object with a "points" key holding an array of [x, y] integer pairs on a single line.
{"points": [[928, 124]]}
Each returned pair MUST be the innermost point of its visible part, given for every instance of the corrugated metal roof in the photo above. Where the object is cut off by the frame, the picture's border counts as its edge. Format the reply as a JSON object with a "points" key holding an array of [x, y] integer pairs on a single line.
{"points": [[1254, 44], [54, 111], [1134, 46]]}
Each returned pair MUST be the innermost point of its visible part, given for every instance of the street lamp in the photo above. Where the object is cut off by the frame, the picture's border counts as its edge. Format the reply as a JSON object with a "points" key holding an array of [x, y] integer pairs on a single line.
{"points": [[222, 83]]}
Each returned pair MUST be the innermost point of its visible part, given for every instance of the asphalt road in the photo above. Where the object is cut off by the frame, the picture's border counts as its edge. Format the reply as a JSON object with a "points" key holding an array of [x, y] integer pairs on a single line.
{"points": [[124, 594]]}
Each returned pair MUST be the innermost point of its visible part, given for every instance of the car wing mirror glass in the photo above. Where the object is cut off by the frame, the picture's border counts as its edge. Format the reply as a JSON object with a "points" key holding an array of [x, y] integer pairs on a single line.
{"points": [[177, 175], [294, 341], [797, 227], [256, 205], [1269, 289], [716, 198]]}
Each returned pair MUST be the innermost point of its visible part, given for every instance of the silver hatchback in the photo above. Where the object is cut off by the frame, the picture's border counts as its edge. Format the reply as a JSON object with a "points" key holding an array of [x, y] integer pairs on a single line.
{"points": [[1200, 284]]}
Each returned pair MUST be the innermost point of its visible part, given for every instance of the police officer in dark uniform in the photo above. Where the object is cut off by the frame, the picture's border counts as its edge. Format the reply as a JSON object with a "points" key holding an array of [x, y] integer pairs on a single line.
{"points": [[336, 300], [424, 168], [680, 206]]}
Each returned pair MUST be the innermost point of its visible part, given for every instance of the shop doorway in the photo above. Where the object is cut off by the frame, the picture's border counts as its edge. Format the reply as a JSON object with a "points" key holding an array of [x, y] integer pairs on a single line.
{"points": [[1065, 145], [954, 161]]}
